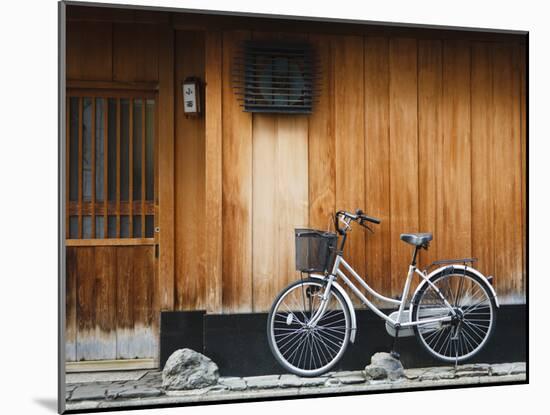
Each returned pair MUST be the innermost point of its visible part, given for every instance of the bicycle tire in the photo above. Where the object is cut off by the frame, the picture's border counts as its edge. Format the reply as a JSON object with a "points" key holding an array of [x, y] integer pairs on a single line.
{"points": [[320, 345], [476, 329]]}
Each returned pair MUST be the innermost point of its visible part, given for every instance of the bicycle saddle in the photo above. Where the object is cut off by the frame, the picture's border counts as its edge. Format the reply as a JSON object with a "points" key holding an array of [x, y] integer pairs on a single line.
{"points": [[417, 239]]}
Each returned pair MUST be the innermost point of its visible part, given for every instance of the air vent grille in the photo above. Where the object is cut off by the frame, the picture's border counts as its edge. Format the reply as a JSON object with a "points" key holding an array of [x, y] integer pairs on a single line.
{"points": [[276, 77]]}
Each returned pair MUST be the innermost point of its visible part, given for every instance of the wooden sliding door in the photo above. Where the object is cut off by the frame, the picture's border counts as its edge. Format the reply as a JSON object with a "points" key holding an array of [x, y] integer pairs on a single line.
{"points": [[112, 310]]}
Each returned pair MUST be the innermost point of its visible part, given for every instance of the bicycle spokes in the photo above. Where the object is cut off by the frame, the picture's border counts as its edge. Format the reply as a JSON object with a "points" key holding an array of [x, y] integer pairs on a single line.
{"points": [[302, 348]]}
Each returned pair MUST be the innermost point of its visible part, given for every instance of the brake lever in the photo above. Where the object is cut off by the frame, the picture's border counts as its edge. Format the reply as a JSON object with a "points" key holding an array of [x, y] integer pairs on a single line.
{"points": [[362, 223]]}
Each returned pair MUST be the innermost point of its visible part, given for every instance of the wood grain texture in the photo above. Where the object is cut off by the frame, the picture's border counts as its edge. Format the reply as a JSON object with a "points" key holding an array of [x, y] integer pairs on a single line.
{"points": [[321, 141], [165, 164], [237, 190], [349, 127], [522, 63], [266, 250], [291, 206], [404, 154], [89, 51], [96, 326], [189, 180], [136, 52], [70, 306], [114, 312], [454, 224], [507, 156], [483, 159], [429, 141], [213, 169], [377, 162]]}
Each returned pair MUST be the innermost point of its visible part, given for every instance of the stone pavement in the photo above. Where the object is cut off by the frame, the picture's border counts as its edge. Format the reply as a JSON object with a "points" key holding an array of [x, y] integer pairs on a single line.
{"points": [[147, 390]]}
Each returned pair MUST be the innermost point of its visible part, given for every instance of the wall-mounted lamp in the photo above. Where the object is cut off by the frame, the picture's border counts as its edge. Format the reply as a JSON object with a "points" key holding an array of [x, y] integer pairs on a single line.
{"points": [[192, 102]]}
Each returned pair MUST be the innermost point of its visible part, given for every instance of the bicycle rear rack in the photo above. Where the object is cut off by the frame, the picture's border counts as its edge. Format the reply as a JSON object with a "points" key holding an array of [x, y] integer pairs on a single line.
{"points": [[451, 261]]}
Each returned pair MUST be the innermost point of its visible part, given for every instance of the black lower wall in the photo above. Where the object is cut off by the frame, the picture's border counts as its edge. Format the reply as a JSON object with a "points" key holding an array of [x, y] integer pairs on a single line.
{"points": [[238, 342]]}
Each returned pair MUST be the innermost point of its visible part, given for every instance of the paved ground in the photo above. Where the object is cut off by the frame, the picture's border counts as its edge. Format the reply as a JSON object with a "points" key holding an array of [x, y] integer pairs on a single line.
{"points": [[128, 389]]}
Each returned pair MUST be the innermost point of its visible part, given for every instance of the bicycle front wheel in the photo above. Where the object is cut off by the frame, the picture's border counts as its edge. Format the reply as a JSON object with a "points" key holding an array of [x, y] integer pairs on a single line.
{"points": [[303, 350], [465, 332]]}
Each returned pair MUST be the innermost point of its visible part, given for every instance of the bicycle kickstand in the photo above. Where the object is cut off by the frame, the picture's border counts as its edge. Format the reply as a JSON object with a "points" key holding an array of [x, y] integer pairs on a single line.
{"points": [[393, 351]]}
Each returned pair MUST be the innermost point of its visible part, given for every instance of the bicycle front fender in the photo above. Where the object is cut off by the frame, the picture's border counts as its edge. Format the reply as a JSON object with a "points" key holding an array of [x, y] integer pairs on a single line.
{"points": [[463, 268], [349, 304]]}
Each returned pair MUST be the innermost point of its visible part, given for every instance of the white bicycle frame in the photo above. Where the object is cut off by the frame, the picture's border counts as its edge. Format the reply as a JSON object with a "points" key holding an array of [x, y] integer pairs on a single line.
{"points": [[336, 271]]}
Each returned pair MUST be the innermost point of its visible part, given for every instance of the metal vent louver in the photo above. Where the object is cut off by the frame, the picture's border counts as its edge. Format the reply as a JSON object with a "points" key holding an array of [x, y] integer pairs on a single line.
{"points": [[276, 77]]}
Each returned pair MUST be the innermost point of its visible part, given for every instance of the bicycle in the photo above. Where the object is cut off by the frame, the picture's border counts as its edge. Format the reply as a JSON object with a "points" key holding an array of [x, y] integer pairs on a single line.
{"points": [[452, 312]]}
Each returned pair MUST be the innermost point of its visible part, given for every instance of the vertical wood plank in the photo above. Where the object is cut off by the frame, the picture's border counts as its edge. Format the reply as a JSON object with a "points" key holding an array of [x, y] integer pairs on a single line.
{"points": [[125, 260], [265, 217], [522, 63], [213, 173], [280, 196], [483, 168], [143, 340], [165, 121], [80, 122], [105, 167], [104, 272], [118, 128], [377, 162], [292, 204], [189, 181], [349, 137], [135, 52], [404, 154], [89, 51], [93, 165], [291, 207], [143, 166], [67, 165], [71, 304], [237, 190], [96, 338], [507, 157], [131, 167], [454, 223], [429, 140], [321, 142]]}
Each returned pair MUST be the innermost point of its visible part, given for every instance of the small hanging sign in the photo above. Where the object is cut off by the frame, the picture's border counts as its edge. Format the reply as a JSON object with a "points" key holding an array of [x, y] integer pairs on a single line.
{"points": [[191, 96]]}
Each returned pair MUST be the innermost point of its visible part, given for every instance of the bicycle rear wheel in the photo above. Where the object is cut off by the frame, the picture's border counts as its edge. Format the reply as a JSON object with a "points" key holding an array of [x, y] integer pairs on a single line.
{"points": [[302, 350], [468, 331]]}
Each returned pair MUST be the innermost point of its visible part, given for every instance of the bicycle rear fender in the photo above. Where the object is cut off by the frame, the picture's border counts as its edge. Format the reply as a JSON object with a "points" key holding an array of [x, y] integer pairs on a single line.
{"points": [[345, 295], [460, 267]]}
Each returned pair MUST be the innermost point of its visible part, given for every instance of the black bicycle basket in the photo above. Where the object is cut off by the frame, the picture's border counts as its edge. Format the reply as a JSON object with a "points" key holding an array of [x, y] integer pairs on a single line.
{"points": [[314, 249]]}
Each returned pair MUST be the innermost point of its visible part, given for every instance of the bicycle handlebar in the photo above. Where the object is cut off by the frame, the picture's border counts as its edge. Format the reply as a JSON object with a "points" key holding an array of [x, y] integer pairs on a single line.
{"points": [[358, 217]]}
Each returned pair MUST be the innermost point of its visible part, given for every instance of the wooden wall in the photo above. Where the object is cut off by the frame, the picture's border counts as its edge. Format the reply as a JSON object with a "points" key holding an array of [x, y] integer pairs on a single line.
{"points": [[426, 134], [420, 129], [190, 222]]}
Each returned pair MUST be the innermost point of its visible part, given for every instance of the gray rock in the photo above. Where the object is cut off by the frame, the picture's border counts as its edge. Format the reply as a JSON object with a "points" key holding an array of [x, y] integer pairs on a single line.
{"points": [[187, 369], [375, 372], [384, 366]]}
